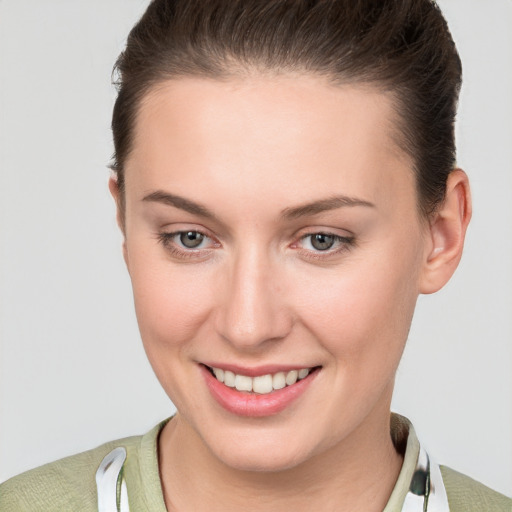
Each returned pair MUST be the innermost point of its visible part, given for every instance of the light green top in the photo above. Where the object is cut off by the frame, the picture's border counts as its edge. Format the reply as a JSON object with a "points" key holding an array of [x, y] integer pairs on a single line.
{"points": [[69, 484]]}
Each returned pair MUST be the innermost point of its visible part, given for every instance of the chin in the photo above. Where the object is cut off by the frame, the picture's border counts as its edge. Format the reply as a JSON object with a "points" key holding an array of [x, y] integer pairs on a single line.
{"points": [[255, 461], [269, 453]]}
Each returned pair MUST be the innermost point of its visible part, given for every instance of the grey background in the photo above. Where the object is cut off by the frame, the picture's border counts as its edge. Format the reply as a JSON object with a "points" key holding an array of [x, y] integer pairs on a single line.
{"points": [[73, 373]]}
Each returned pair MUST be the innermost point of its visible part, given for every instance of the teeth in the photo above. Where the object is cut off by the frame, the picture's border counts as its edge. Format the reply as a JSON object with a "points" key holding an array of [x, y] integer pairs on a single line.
{"points": [[262, 384], [243, 383], [219, 374], [229, 378], [291, 377], [302, 373], [279, 380]]}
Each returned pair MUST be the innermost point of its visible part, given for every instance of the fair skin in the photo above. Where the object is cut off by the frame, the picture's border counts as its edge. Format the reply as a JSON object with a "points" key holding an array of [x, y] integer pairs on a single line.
{"points": [[272, 286]]}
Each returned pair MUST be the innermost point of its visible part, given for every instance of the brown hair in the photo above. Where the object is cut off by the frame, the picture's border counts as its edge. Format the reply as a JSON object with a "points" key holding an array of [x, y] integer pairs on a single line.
{"points": [[400, 46]]}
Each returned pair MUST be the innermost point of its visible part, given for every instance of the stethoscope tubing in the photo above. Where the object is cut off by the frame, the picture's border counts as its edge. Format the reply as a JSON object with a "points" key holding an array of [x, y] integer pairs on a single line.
{"points": [[426, 493]]}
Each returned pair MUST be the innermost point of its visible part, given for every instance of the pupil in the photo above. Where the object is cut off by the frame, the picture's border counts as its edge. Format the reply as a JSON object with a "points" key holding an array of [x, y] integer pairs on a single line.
{"points": [[191, 239], [322, 242]]}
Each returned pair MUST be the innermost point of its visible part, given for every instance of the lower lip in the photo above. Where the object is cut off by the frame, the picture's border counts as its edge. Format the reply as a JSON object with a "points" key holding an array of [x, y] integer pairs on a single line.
{"points": [[252, 404]]}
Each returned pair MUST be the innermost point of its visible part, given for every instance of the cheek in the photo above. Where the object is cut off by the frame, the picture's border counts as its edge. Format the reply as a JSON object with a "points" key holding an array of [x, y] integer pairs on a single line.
{"points": [[172, 307], [171, 302], [363, 313]]}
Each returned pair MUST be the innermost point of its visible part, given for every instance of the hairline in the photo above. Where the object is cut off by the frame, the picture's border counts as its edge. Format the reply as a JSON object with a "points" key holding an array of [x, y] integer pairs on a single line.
{"points": [[243, 72]]}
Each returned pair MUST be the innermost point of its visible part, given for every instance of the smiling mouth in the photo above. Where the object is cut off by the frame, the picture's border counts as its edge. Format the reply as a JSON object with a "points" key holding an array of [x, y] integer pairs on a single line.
{"points": [[262, 384]]}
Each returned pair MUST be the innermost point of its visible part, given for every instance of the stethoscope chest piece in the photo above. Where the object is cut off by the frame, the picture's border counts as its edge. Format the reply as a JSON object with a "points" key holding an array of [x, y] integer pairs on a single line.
{"points": [[427, 492]]}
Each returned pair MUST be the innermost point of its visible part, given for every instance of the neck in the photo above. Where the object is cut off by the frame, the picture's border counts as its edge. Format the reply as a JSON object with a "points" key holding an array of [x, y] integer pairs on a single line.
{"points": [[358, 473]]}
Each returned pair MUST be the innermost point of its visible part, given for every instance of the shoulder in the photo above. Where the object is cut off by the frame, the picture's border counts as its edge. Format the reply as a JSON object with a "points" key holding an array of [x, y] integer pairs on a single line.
{"points": [[66, 484], [468, 495]]}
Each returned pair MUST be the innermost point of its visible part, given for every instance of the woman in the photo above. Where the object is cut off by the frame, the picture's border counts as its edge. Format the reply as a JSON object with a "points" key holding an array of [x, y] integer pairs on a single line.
{"points": [[285, 185]]}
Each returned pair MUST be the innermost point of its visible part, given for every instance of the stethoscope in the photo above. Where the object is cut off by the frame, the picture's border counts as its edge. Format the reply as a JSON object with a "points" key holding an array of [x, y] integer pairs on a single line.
{"points": [[426, 493], [111, 486]]}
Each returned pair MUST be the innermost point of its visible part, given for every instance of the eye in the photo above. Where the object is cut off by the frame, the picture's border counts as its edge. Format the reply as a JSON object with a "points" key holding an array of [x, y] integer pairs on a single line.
{"points": [[327, 243], [321, 241], [186, 244], [190, 239]]}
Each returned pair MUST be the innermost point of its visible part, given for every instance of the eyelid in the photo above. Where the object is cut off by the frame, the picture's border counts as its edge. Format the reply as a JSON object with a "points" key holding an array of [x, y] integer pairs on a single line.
{"points": [[166, 239], [342, 244], [344, 234]]}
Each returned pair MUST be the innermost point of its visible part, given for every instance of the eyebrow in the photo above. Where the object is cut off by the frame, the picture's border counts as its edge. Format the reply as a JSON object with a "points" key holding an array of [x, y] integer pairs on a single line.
{"points": [[291, 213], [331, 203], [180, 202]]}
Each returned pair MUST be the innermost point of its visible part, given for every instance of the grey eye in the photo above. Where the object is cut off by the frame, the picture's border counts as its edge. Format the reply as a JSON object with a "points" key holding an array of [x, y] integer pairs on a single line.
{"points": [[191, 239], [322, 242]]}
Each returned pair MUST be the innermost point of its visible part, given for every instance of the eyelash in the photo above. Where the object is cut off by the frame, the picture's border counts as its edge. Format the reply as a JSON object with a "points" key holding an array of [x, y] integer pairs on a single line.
{"points": [[166, 239], [345, 244]]}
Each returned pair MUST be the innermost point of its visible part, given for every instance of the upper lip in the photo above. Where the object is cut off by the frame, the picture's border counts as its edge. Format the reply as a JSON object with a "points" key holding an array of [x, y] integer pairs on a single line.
{"points": [[256, 371]]}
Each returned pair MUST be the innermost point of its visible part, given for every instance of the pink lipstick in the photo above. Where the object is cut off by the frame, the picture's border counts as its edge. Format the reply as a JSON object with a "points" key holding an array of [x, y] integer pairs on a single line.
{"points": [[254, 404]]}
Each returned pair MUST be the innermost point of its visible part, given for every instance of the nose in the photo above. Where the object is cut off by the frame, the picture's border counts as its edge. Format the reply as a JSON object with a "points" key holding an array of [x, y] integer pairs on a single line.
{"points": [[252, 309]]}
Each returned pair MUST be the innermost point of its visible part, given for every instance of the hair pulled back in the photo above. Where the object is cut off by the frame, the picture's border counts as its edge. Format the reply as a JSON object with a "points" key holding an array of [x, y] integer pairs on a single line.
{"points": [[400, 46]]}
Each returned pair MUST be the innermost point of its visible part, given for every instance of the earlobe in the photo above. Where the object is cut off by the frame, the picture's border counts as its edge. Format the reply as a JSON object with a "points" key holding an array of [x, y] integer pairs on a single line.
{"points": [[447, 231]]}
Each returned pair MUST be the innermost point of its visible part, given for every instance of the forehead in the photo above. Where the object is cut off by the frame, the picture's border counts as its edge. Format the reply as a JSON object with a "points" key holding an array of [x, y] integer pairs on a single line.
{"points": [[300, 133]]}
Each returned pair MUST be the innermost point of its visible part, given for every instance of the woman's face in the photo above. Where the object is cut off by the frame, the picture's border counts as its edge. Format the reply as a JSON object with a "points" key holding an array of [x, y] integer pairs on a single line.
{"points": [[271, 226]]}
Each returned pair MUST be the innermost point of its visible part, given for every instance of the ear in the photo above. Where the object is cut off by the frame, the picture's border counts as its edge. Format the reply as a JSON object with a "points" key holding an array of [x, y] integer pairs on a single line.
{"points": [[447, 231], [113, 186]]}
